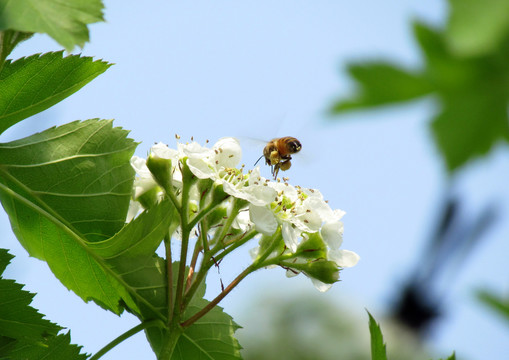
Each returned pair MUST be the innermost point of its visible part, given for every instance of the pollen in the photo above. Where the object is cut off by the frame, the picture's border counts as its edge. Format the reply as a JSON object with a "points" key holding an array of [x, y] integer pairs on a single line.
{"points": [[177, 136]]}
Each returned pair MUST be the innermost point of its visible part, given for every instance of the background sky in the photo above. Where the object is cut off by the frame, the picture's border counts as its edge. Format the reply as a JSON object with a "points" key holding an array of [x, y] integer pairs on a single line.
{"points": [[261, 69]]}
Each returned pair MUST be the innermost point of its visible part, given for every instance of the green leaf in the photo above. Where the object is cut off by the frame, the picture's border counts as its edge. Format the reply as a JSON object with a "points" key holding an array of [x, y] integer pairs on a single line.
{"points": [[64, 187], [381, 83], [33, 84], [53, 348], [378, 351], [496, 303], [477, 27], [24, 334], [131, 255], [17, 319], [65, 21]]}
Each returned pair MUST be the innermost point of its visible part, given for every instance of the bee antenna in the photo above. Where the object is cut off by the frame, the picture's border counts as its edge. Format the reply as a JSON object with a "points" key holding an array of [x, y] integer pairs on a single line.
{"points": [[258, 160]]}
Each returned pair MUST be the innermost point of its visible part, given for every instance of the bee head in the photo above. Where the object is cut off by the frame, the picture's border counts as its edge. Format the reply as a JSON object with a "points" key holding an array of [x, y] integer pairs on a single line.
{"points": [[294, 146]]}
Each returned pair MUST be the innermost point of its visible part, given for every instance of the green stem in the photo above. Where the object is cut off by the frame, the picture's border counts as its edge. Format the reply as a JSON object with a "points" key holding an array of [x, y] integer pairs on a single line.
{"points": [[202, 214], [173, 198], [207, 261], [276, 237], [236, 243], [169, 274], [220, 235], [218, 298], [184, 224], [170, 342], [126, 335]]}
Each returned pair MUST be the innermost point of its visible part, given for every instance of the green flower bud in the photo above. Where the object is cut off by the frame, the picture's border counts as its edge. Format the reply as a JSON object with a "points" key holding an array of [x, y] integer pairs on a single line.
{"points": [[312, 248], [149, 198], [218, 194], [216, 216], [267, 241], [204, 186], [323, 270], [161, 171]]}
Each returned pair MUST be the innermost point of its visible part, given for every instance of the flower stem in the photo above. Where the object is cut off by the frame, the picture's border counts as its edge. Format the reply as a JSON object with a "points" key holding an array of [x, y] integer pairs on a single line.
{"points": [[170, 342], [253, 267], [169, 274], [217, 299], [184, 217], [220, 235], [125, 336], [236, 243]]}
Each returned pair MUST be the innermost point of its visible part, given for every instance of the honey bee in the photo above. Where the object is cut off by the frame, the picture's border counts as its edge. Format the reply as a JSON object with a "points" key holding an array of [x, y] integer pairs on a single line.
{"points": [[278, 153]]}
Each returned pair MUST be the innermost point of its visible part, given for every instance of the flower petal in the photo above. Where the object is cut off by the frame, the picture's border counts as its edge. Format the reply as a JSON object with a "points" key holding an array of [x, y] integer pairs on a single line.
{"points": [[200, 168], [332, 233], [227, 152], [344, 258], [290, 236], [264, 220], [320, 286]]}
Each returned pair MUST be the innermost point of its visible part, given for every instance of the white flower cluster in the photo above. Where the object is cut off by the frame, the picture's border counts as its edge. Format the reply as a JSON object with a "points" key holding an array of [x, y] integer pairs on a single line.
{"points": [[269, 204]]}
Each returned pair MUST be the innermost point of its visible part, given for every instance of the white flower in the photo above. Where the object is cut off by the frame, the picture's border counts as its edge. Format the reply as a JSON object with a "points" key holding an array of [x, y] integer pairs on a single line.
{"points": [[254, 190], [207, 163]]}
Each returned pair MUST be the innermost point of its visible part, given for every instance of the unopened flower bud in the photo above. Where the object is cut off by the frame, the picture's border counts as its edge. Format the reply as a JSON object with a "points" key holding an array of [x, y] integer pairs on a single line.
{"points": [[161, 170], [323, 270], [312, 248], [149, 198]]}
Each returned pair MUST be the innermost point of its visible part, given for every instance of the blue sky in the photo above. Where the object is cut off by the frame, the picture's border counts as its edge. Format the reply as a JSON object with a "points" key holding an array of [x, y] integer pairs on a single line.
{"points": [[261, 69]]}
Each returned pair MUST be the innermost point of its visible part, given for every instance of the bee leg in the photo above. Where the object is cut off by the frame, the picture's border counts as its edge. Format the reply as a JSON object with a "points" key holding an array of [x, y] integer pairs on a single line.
{"points": [[285, 165], [275, 170]]}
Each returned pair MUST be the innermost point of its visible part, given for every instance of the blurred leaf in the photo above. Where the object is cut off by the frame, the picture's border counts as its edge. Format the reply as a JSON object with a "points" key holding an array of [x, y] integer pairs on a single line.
{"points": [[452, 357], [64, 187], [54, 348], [495, 302], [473, 92], [17, 319], [65, 21], [8, 41], [381, 84], [33, 84], [476, 27], [24, 334], [378, 350]]}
